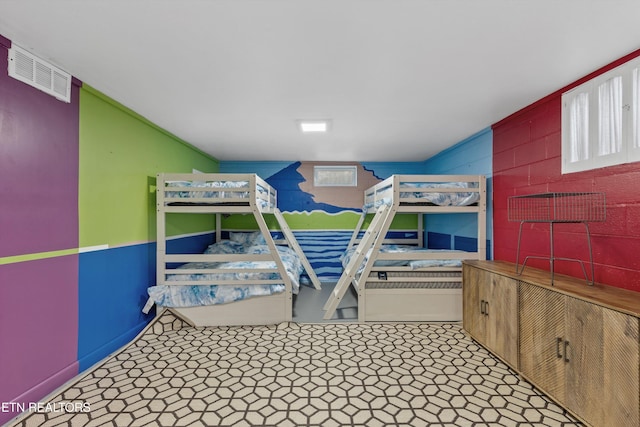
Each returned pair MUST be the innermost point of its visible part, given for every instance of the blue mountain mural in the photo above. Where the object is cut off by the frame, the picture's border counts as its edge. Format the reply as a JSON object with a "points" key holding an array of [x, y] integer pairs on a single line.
{"points": [[291, 198]]}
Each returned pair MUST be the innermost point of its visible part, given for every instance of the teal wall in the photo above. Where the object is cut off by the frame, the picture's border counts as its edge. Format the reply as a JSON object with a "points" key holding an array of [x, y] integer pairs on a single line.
{"points": [[472, 156]]}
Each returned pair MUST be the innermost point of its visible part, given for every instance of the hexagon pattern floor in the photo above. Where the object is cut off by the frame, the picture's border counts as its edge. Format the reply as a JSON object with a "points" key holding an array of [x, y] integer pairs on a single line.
{"points": [[302, 375]]}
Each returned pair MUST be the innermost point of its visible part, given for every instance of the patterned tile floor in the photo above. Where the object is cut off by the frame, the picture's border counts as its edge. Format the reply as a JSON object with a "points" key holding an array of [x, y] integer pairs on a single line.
{"points": [[300, 375]]}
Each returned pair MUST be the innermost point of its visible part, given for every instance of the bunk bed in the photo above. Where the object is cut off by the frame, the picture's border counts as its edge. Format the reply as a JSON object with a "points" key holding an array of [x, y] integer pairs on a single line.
{"points": [[407, 282], [247, 279]]}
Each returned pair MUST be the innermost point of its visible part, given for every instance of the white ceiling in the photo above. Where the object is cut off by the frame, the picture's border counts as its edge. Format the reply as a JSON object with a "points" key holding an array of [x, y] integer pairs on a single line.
{"points": [[400, 80]]}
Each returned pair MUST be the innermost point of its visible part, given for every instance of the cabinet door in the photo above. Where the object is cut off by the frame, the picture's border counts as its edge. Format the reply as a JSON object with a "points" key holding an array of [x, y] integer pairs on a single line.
{"points": [[602, 372], [501, 309], [472, 318], [541, 339], [490, 312], [621, 369], [584, 359]]}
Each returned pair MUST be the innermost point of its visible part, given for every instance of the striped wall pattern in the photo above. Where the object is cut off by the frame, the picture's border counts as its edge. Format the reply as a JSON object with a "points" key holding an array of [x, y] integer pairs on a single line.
{"points": [[77, 229]]}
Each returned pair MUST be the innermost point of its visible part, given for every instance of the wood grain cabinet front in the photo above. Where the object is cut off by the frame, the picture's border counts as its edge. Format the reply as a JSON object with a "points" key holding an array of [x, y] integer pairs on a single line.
{"points": [[583, 355], [577, 343], [490, 312]]}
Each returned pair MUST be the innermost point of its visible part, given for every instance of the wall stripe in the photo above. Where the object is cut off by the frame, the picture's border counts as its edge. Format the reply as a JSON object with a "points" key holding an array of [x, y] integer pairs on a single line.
{"points": [[93, 248], [36, 256]]}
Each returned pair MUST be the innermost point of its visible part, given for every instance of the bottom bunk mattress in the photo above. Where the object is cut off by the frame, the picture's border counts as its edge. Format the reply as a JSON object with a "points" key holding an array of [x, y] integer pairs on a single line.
{"points": [[411, 257], [194, 298]]}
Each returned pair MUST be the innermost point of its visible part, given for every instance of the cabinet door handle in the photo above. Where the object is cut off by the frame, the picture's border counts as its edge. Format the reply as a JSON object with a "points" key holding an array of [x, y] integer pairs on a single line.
{"points": [[482, 307], [486, 308], [558, 342], [566, 357]]}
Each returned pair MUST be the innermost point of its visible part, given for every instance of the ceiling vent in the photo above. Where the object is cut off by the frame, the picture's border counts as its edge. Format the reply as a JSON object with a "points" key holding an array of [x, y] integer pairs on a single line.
{"points": [[38, 73]]}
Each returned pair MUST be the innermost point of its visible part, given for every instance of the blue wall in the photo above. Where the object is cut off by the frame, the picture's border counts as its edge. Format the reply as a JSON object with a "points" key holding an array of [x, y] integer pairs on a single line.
{"points": [[469, 157], [108, 279], [384, 170]]}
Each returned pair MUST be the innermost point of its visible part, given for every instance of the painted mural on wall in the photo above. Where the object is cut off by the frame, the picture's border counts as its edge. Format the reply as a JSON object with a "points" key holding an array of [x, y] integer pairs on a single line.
{"points": [[322, 217], [296, 192]]}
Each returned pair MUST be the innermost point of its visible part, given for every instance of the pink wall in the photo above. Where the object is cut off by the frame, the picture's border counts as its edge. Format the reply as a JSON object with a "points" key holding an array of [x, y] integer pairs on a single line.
{"points": [[39, 143], [39, 148], [526, 160], [38, 328]]}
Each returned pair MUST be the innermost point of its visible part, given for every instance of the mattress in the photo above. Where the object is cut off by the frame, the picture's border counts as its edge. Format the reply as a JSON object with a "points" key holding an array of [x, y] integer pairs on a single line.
{"points": [[427, 193], [197, 295], [410, 251], [217, 194]]}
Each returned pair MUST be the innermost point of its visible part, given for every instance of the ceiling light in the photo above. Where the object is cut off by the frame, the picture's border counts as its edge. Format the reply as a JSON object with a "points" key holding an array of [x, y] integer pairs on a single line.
{"points": [[313, 126]]}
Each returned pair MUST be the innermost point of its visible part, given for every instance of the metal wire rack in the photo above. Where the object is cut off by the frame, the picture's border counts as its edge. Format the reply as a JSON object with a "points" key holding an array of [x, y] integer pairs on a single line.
{"points": [[557, 208]]}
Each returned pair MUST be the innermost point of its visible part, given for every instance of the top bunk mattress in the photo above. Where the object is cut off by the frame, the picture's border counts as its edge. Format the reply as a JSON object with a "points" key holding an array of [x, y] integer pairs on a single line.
{"points": [[215, 189], [427, 190], [432, 192]]}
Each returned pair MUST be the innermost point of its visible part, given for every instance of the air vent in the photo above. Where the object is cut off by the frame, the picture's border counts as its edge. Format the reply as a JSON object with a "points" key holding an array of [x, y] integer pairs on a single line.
{"points": [[30, 69]]}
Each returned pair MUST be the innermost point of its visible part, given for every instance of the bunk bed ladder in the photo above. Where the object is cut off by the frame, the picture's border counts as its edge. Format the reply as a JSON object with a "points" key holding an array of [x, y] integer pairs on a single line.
{"points": [[293, 243], [350, 271], [161, 243], [356, 232], [360, 280], [264, 229]]}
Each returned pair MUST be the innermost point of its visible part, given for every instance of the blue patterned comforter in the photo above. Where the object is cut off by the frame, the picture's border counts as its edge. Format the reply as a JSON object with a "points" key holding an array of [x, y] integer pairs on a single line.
{"points": [[197, 295], [409, 250], [214, 194], [440, 199], [428, 192]]}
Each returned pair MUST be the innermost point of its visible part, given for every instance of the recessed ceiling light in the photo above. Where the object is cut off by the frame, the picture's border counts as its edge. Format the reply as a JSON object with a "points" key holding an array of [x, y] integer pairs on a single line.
{"points": [[313, 126]]}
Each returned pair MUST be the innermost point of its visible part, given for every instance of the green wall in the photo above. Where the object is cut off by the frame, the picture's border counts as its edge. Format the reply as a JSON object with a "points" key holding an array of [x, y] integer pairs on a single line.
{"points": [[120, 155]]}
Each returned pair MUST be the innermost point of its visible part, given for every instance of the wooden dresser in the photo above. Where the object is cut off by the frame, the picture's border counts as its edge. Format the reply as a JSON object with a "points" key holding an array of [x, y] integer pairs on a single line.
{"points": [[577, 343]]}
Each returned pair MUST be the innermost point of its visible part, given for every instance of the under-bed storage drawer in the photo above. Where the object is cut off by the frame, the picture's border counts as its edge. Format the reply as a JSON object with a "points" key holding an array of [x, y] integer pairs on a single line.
{"points": [[394, 295], [413, 304], [424, 279], [264, 310]]}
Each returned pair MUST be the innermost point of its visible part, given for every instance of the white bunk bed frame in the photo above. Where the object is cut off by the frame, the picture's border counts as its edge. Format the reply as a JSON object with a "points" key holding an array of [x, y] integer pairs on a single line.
{"points": [[247, 199], [400, 293]]}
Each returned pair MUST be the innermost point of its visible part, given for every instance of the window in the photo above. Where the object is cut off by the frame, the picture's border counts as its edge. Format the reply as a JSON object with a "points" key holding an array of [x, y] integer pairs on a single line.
{"points": [[601, 120], [635, 111], [335, 176]]}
